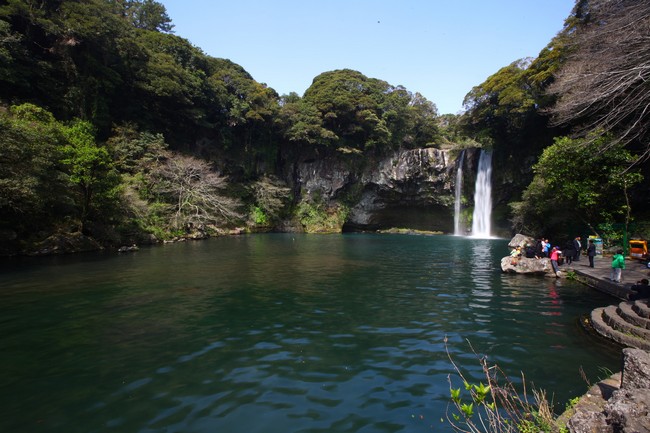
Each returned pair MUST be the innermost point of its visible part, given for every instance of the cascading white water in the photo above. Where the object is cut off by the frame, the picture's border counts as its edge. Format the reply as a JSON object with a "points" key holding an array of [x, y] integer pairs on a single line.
{"points": [[483, 197], [459, 191]]}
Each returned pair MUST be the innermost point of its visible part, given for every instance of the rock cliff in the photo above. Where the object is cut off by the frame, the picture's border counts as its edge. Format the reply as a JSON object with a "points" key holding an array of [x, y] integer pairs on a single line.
{"points": [[409, 188]]}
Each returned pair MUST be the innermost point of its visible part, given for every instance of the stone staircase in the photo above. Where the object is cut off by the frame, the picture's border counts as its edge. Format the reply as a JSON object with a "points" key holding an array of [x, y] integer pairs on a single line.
{"points": [[627, 323]]}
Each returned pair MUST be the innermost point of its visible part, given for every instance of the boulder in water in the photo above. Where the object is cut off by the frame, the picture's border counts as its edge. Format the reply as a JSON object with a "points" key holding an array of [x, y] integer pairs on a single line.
{"points": [[520, 240], [523, 265]]}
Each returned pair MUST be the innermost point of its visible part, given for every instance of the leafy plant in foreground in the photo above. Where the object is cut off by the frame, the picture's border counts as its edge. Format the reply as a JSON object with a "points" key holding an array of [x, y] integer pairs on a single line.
{"points": [[496, 407]]}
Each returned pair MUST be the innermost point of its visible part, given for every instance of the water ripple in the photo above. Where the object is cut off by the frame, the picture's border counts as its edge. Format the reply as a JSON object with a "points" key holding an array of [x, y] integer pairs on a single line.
{"points": [[279, 334]]}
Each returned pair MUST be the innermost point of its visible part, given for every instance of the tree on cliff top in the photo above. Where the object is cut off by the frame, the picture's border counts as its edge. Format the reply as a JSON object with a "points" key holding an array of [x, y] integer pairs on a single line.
{"points": [[367, 114]]}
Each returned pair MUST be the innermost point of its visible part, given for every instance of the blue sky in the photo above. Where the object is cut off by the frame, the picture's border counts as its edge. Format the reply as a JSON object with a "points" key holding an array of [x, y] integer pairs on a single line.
{"points": [[440, 48]]}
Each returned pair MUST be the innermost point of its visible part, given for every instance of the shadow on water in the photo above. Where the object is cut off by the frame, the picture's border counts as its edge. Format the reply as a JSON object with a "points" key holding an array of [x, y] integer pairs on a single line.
{"points": [[278, 333]]}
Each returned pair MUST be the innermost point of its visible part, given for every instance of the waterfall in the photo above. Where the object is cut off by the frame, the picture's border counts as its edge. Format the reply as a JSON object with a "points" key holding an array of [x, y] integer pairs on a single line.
{"points": [[459, 191], [483, 197]]}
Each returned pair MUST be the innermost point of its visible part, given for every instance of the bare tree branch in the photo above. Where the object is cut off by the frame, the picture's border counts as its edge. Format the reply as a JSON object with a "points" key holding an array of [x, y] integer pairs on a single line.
{"points": [[195, 191], [605, 84]]}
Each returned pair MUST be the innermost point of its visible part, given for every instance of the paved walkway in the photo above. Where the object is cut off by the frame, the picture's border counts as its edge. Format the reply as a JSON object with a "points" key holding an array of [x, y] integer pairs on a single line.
{"points": [[598, 276]]}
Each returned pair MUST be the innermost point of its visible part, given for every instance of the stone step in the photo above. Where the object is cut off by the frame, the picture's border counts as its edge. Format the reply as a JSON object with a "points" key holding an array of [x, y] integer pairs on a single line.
{"points": [[626, 311], [613, 319], [642, 308], [608, 332]]}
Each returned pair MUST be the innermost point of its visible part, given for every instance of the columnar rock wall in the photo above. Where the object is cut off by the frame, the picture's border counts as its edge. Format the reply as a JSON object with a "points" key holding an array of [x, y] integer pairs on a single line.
{"points": [[386, 191]]}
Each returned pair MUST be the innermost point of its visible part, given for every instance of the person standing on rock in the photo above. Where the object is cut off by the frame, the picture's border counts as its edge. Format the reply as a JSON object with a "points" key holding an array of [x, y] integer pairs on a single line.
{"points": [[618, 264], [591, 252], [555, 256]]}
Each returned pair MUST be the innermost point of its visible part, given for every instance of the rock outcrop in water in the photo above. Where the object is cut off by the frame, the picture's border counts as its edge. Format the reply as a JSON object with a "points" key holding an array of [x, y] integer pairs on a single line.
{"points": [[523, 265]]}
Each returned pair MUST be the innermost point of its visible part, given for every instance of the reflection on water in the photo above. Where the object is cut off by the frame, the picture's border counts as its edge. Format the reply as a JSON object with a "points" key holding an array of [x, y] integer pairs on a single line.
{"points": [[278, 333]]}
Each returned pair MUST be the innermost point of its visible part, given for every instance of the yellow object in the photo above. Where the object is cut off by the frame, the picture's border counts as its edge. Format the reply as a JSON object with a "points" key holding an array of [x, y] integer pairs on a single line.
{"points": [[639, 249]]}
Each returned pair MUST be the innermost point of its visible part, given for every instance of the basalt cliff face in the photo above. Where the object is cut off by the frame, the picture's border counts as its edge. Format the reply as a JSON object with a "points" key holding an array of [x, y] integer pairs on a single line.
{"points": [[409, 188]]}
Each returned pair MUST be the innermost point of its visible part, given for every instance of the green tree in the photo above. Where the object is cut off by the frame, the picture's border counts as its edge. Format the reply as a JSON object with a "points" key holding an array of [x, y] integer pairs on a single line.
{"points": [[33, 190], [497, 108], [272, 197], [365, 114], [133, 151], [302, 122], [90, 169], [422, 122], [149, 15], [574, 179], [9, 44], [349, 103]]}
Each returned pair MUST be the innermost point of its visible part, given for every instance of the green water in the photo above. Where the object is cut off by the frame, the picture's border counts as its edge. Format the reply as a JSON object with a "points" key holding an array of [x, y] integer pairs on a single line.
{"points": [[278, 333]]}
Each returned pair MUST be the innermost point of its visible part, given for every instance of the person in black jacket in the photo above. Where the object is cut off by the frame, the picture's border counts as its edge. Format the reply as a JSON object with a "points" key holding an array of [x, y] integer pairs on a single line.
{"points": [[577, 246], [569, 252], [641, 290], [591, 252]]}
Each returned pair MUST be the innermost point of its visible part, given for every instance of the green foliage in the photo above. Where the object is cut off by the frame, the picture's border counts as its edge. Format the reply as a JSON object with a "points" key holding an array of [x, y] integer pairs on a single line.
{"points": [[148, 15], [258, 216], [575, 174], [271, 197], [133, 151], [110, 62], [496, 407], [507, 114], [467, 409], [33, 190], [303, 123], [455, 395], [612, 234], [571, 403], [90, 168], [319, 218], [346, 109], [535, 424]]}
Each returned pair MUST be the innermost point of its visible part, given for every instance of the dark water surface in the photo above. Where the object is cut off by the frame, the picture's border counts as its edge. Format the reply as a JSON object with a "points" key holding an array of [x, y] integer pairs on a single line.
{"points": [[278, 333]]}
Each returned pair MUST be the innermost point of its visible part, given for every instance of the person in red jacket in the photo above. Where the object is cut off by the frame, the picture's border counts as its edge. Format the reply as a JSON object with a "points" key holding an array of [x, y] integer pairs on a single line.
{"points": [[555, 256]]}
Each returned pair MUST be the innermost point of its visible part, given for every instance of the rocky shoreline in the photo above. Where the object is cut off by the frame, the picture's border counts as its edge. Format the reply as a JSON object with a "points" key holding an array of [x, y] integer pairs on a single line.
{"points": [[620, 403]]}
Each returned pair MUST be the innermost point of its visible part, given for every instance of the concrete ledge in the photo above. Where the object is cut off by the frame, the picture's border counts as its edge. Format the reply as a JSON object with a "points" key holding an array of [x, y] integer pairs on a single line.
{"points": [[611, 288]]}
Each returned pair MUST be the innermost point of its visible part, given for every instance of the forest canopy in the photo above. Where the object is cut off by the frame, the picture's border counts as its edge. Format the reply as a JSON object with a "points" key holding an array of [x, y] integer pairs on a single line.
{"points": [[105, 114]]}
